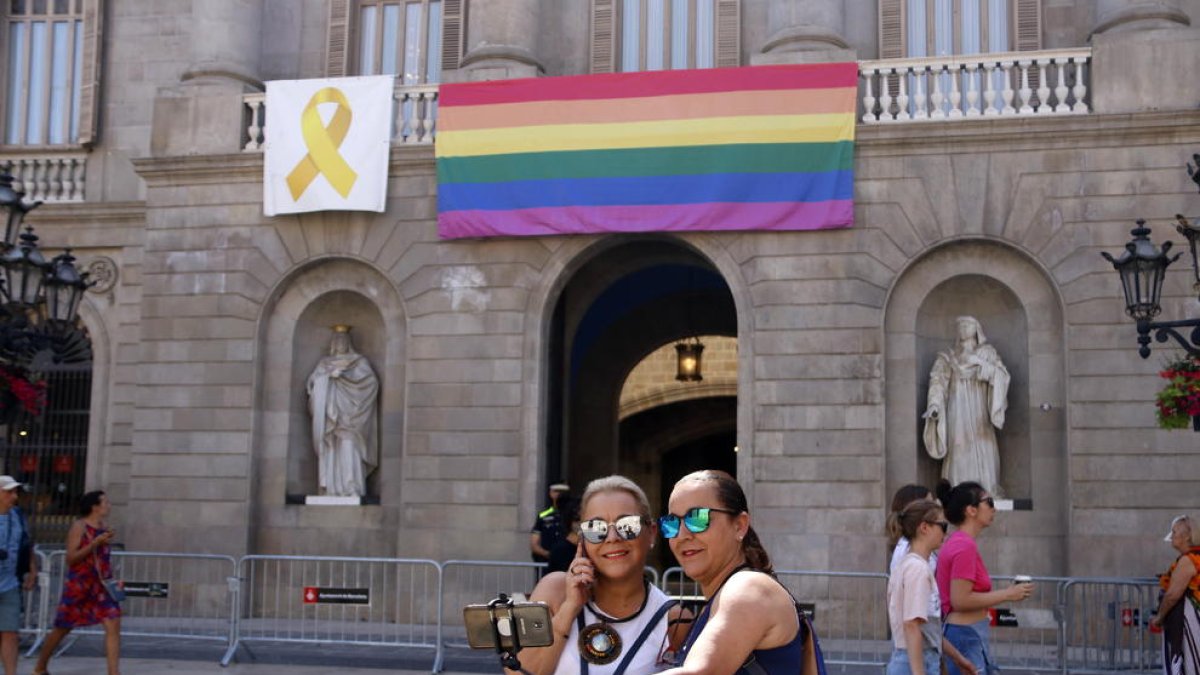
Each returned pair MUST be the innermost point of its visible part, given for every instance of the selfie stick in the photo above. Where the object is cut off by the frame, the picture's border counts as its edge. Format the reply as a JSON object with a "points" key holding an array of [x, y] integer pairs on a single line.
{"points": [[508, 657]]}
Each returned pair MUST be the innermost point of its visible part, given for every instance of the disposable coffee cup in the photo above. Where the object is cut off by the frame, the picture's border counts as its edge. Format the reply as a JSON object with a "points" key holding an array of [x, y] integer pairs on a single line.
{"points": [[1022, 579]]}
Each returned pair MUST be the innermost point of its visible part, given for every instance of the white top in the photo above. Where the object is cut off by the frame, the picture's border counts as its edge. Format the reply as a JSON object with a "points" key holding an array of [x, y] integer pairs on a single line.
{"points": [[935, 598], [908, 598], [647, 658]]}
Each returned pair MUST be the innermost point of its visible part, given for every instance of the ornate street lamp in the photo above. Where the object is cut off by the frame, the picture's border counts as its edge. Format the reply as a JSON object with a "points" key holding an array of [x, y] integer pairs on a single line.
{"points": [[1142, 268], [37, 295], [687, 360]]}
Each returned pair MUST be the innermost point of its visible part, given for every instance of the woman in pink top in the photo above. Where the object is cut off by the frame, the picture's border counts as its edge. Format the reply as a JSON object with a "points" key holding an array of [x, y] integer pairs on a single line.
{"points": [[962, 578]]}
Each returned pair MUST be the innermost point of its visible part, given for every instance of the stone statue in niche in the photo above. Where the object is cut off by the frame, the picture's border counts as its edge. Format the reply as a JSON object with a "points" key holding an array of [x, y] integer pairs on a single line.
{"points": [[342, 393], [968, 391]]}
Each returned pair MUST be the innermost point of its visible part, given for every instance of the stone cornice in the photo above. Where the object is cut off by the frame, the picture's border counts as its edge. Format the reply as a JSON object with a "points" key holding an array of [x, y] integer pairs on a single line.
{"points": [[73, 213], [1016, 134], [247, 167]]}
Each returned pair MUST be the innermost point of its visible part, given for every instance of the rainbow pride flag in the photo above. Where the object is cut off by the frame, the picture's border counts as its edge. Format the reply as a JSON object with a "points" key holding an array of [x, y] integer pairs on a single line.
{"points": [[757, 148]]}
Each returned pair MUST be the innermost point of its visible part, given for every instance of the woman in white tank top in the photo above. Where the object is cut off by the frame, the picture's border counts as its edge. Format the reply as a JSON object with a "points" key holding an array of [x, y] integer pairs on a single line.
{"points": [[607, 619]]}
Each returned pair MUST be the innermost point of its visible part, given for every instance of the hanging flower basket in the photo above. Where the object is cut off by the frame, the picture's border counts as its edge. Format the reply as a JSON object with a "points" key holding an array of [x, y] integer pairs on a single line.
{"points": [[1179, 401], [19, 394]]}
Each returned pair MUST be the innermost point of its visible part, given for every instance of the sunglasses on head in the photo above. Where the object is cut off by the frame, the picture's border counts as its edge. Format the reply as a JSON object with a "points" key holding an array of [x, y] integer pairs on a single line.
{"points": [[595, 531], [697, 520]]}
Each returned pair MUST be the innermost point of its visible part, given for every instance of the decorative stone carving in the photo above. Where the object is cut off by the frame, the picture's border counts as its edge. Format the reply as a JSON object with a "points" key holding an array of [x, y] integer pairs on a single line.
{"points": [[103, 271], [342, 392], [968, 390]]}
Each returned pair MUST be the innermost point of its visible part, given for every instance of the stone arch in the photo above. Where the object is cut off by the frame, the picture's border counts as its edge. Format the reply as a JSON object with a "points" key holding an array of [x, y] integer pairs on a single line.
{"points": [[560, 268], [99, 463], [1009, 291], [293, 333]]}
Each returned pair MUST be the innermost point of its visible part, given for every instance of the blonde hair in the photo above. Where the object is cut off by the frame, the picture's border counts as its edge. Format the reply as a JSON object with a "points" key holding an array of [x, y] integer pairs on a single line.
{"points": [[615, 483], [1190, 523]]}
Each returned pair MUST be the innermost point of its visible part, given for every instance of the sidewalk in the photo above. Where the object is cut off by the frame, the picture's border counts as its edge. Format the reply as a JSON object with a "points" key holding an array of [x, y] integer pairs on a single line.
{"points": [[94, 665]]}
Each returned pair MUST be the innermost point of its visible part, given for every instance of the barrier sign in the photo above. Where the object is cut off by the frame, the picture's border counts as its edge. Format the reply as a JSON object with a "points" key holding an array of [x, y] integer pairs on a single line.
{"points": [[336, 596], [809, 609], [1002, 617], [147, 589]]}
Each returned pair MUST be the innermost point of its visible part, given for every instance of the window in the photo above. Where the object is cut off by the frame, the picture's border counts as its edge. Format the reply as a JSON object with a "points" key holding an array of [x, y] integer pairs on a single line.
{"points": [[50, 48], [948, 27], [411, 39], [636, 35]]}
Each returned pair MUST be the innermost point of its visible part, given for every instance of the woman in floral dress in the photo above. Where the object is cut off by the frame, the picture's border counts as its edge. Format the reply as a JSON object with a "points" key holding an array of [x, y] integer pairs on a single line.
{"points": [[85, 602]]}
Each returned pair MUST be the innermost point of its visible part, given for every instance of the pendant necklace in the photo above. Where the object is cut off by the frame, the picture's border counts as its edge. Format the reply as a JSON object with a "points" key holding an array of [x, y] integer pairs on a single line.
{"points": [[599, 643]]}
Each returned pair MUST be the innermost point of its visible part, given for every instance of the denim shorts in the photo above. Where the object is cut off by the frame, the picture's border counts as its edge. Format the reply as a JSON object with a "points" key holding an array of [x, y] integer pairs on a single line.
{"points": [[972, 642], [899, 664], [10, 610]]}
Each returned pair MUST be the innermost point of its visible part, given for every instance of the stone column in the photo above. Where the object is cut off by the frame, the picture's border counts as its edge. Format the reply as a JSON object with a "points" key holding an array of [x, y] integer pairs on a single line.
{"points": [[1144, 57], [800, 32], [503, 40], [203, 113], [1115, 16]]}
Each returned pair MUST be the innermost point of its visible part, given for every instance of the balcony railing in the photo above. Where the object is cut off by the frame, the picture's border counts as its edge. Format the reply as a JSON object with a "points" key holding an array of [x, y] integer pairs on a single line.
{"points": [[978, 86], [47, 176], [415, 117]]}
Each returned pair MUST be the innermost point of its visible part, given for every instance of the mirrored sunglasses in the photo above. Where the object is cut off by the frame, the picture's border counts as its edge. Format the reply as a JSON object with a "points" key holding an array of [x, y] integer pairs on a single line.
{"points": [[697, 520], [595, 531]]}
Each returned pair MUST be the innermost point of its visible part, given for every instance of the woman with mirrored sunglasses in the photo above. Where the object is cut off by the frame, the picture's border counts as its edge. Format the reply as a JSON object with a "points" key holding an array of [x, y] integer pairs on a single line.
{"points": [[963, 580], [916, 626], [607, 619], [749, 621]]}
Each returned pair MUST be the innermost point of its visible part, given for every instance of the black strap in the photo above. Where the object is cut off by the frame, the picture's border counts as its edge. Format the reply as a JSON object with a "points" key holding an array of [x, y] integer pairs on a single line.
{"points": [[646, 631], [637, 644]]}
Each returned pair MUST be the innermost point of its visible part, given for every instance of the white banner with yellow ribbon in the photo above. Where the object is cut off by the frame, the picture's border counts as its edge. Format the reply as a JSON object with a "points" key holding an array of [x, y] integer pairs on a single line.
{"points": [[327, 144]]}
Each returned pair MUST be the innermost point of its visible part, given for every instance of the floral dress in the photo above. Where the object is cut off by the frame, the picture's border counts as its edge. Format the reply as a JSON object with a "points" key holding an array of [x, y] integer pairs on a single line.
{"points": [[84, 601]]}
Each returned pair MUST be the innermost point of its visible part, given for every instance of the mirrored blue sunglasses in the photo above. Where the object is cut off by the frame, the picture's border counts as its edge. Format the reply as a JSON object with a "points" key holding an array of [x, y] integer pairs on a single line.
{"points": [[696, 520]]}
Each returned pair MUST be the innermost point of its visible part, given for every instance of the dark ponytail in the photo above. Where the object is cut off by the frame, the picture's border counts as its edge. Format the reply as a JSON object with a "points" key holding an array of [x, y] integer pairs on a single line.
{"points": [[956, 500], [732, 497]]}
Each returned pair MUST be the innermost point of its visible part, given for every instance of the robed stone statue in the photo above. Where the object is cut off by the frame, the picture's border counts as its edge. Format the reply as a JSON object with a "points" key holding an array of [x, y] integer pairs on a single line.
{"points": [[342, 392], [968, 390]]}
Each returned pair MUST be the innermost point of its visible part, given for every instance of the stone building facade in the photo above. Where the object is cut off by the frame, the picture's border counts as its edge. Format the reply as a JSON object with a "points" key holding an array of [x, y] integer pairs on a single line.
{"points": [[502, 362]]}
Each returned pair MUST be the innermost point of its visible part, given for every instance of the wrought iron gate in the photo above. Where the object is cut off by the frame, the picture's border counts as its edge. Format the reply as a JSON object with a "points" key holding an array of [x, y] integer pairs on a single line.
{"points": [[49, 452]]}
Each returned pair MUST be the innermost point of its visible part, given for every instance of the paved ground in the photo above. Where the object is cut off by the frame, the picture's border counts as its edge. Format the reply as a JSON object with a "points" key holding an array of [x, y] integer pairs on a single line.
{"points": [[146, 657]]}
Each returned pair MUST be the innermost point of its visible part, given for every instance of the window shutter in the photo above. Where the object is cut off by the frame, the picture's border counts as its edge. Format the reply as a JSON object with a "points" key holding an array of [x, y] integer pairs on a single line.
{"points": [[1028, 20], [892, 31], [729, 33], [339, 39], [89, 91], [604, 38], [453, 31]]}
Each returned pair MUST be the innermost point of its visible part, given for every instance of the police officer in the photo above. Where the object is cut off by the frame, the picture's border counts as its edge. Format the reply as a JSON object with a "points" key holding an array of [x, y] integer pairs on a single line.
{"points": [[548, 529]]}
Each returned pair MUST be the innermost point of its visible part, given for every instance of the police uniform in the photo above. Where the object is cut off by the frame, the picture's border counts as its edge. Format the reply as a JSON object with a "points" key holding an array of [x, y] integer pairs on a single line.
{"points": [[549, 526]]}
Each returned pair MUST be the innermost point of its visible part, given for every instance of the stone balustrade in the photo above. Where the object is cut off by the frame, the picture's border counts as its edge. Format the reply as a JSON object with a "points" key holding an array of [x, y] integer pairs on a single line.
{"points": [[47, 176], [983, 85], [415, 117]]}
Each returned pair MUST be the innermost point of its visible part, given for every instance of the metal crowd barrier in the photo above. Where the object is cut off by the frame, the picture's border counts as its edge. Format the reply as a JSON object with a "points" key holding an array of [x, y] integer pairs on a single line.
{"points": [[845, 608], [390, 602], [1024, 635], [1083, 625], [168, 595], [466, 582], [38, 605], [1105, 627]]}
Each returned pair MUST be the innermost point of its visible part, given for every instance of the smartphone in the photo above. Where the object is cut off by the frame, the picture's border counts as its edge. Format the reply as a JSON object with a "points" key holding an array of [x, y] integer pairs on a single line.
{"points": [[531, 619]]}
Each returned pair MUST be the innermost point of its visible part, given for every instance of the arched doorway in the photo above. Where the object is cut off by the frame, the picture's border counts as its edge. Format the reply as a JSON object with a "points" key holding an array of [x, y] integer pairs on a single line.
{"points": [[617, 311], [48, 452]]}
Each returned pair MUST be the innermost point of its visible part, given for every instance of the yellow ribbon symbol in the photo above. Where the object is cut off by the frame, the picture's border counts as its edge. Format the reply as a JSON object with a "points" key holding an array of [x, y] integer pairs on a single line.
{"points": [[323, 143]]}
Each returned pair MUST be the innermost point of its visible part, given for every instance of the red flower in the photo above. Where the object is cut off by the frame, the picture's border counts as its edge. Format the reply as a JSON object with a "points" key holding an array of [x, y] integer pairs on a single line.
{"points": [[31, 396]]}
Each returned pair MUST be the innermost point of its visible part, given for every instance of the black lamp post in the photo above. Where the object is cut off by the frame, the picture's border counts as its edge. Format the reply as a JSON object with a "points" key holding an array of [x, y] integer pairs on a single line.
{"points": [[1142, 268], [40, 298]]}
